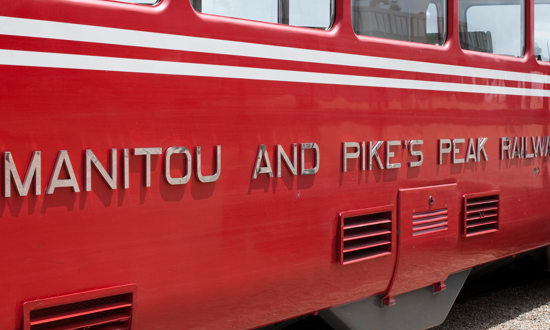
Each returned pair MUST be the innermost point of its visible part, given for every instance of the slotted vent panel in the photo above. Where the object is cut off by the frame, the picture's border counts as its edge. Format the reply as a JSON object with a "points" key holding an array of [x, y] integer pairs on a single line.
{"points": [[431, 221], [365, 236], [481, 214], [113, 312]]}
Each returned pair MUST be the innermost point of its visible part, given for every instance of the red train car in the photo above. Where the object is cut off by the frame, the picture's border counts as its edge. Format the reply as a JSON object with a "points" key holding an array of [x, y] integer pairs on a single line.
{"points": [[231, 164]]}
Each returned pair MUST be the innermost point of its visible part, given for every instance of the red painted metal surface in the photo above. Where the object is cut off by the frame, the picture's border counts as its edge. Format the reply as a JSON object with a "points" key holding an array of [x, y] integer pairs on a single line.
{"points": [[240, 252], [430, 254]]}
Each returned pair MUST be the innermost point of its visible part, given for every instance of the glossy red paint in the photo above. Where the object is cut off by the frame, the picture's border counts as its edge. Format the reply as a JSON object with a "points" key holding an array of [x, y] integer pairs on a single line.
{"points": [[238, 252], [430, 254]]}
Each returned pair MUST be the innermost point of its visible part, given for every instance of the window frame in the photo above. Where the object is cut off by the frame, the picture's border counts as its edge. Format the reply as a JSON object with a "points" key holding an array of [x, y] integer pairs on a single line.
{"points": [[283, 16], [444, 23], [523, 32]]}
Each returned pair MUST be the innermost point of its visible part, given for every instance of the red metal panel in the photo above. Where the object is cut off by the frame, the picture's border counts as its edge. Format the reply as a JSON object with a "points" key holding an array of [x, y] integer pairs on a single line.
{"points": [[266, 248], [435, 250]]}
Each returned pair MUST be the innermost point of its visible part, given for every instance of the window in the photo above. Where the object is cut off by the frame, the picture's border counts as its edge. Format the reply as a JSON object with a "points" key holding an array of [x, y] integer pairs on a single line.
{"points": [[422, 21], [542, 30], [310, 13], [304, 13], [490, 26]]}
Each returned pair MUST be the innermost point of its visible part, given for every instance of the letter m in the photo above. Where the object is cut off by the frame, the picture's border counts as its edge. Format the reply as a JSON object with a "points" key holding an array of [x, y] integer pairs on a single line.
{"points": [[33, 173]]}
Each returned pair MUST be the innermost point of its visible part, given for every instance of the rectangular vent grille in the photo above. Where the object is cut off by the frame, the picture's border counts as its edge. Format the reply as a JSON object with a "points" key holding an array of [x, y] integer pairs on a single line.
{"points": [[113, 312], [481, 214], [365, 236], [428, 222]]}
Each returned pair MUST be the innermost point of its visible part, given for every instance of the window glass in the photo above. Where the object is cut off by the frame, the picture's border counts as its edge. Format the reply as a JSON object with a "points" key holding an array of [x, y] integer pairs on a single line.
{"points": [[422, 21], [258, 10], [305, 13], [542, 30], [492, 27], [310, 13]]}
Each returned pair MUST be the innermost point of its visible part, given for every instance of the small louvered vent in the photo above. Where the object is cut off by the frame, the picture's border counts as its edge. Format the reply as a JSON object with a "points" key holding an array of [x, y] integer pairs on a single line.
{"points": [[112, 312], [429, 221], [365, 236], [481, 214]]}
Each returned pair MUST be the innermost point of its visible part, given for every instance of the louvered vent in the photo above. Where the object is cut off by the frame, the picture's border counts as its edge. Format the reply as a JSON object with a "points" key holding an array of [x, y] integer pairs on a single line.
{"points": [[111, 312], [429, 221], [365, 236], [481, 214]]}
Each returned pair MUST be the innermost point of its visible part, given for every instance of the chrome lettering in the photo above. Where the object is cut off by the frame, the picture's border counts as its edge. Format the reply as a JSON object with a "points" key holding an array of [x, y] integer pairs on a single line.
{"points": [[167, 162], [126, 167], [471, 151], [33, 172], [282, 156], [505, 143], [309, 146], [214, 177], [416, 153], [109, 179], [390, 154], [456, 151], [262, 156], [373, 152], [444, 148], [515, 148], [63, 160], [481, 148], [350, 155], [147, 152]]}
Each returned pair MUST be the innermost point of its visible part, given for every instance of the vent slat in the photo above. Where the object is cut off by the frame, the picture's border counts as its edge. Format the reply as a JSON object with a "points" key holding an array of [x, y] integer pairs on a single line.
{"points": [[472, 217], [94, 322], [482, 232], [419, 215], [363, 246], [430, 230], [85, 311], [482, 209], [365, 256], [484, 223], [430, 225], [481, 214], [365, 235], [434, 219], [367, 223], [487, 201]]}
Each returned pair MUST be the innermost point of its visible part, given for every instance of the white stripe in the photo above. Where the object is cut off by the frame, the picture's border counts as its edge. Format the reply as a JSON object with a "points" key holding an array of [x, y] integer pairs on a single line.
{"points": [[96, 34], [87, 62]]}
